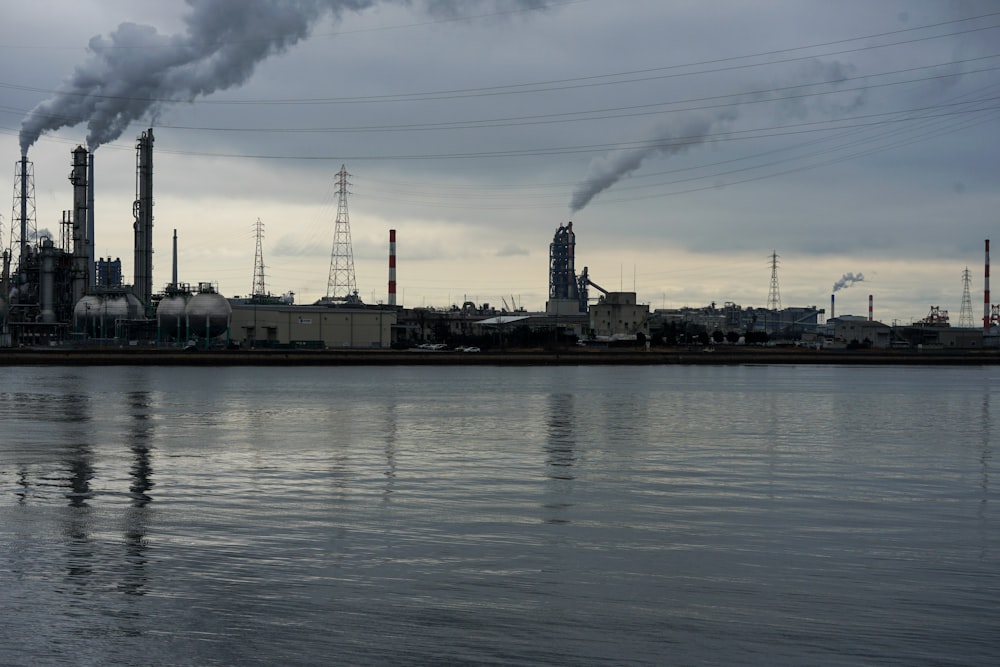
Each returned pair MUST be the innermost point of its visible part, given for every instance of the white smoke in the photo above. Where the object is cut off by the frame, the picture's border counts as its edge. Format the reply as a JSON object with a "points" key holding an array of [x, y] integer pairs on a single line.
{"points": [[133, 71], [690, 131], [670, 139], [847, 280]]}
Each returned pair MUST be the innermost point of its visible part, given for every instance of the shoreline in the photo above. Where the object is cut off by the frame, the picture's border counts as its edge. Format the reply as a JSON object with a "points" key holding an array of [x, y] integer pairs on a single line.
{"points": [[667, 356]]}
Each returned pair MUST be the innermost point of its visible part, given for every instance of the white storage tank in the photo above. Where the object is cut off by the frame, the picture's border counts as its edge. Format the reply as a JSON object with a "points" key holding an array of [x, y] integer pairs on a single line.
{"points": [[170, 319], [208, 313], [98, 315]]}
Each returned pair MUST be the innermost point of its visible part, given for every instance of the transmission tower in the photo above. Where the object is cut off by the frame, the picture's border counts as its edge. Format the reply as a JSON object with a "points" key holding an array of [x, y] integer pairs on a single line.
{"points": [[23, 229], [774, 297], [340, 284], [965, 314], [258, 262]]}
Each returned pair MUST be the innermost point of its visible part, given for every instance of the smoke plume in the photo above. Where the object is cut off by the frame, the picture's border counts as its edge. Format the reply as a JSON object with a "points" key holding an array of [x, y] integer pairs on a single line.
{"points": [[847, 280], [134, 71], [691, 131], [672, 139]]}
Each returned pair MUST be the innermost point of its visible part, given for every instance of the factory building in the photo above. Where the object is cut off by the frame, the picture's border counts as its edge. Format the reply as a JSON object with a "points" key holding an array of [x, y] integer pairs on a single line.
{"points": [[617, 315], [58, 293], [317, 326]]}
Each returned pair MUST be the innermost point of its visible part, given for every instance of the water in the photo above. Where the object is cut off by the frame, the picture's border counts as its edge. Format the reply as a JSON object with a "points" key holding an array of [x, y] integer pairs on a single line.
{"points": [[732, 515]]}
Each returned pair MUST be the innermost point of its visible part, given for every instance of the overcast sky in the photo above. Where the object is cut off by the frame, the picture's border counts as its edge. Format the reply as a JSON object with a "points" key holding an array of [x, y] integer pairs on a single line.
{"points": [[687, 142]]}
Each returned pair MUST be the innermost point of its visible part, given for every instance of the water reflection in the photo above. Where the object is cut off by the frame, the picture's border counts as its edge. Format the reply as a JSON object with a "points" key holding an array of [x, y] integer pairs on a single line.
{"points": [[391, 438], [986, 453], [141, 471], [560, 449], [78, 462]]}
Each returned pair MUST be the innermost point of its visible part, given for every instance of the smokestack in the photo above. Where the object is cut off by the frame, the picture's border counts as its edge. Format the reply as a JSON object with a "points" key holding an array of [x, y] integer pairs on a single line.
{"points": [[871, 317], [91, 277], [81, 269], [24, 209], [143, 210], [173, 275], [986, 290], [392, 267], [833, 313]]}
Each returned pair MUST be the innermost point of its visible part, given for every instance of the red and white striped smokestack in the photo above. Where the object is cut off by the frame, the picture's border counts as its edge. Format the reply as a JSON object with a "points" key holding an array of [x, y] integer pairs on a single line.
{"points": [[392, 267], [986, 290], [871, 317]]}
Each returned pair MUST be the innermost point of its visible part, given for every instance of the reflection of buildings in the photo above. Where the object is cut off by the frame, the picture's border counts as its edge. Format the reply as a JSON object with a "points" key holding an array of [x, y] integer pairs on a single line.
{"points": [[561, 441], [136, 524], [560, 449]]}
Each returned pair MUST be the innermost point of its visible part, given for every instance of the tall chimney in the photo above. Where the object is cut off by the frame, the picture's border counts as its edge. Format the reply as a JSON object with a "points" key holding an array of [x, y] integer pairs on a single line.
{"points": [[833, 313], [173, 275], [986, 290], [81, 268], [143, 211], [24, 210], [392, 267], [91, 274], [871, 317]]}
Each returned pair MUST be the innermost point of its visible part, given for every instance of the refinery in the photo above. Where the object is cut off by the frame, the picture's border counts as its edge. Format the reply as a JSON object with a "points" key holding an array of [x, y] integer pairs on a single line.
{"points": [[57, 294]]}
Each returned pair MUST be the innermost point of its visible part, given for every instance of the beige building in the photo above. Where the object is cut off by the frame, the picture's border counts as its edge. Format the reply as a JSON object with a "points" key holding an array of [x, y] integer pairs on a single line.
{"points": [[618, 314], [849, 330], [316, 326]]}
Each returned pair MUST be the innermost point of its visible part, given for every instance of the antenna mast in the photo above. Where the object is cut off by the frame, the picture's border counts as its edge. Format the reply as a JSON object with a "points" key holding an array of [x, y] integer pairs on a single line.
{"points": [[965, 314], [258, 262], [341, 284], [774, 297]]}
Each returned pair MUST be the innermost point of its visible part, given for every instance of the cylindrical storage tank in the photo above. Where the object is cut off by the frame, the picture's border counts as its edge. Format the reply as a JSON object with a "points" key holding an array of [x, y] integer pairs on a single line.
{"points": [[208, 314], [170, 318]]}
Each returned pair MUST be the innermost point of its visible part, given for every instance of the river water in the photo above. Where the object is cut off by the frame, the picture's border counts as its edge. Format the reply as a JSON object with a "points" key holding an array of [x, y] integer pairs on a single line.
{"points": [[687, 515]]}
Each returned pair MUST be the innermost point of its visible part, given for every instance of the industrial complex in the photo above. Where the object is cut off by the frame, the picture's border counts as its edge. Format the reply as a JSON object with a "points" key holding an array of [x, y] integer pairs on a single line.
{"points": [[55, 293]]}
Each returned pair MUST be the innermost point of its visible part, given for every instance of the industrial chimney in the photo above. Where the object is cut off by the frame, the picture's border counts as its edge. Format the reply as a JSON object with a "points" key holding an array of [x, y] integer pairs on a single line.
{"points": [[833, 313], [92, 273], [392, 267], [871, 312], [81, 254], [143, 212], [173, 273], [986, 291]]}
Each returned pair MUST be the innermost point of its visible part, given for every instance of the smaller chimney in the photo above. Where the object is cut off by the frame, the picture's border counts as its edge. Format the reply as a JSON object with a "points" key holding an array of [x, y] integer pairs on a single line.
{"points": [[392, 267], [871, 317], [173, 275], [986, 290]]}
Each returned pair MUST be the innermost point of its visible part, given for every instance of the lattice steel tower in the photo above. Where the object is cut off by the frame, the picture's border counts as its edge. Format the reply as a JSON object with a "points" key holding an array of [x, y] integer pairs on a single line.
{"points": [[965, 314], [23, 230], [341, 285], [774, 297], [258, 261]]}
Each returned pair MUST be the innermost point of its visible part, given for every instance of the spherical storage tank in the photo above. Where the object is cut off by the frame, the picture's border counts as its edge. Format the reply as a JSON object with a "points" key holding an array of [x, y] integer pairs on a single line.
{"points": [[208, 313], [170, 315], [98, 314]]}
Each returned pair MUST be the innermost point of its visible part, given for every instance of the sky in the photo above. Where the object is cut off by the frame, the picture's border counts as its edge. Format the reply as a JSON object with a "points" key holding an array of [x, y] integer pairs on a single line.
{"points": [[697, 147]]}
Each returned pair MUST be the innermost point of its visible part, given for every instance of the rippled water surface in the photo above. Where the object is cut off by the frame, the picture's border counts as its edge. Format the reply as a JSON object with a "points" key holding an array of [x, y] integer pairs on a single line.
{"points": [[582, 515]]}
